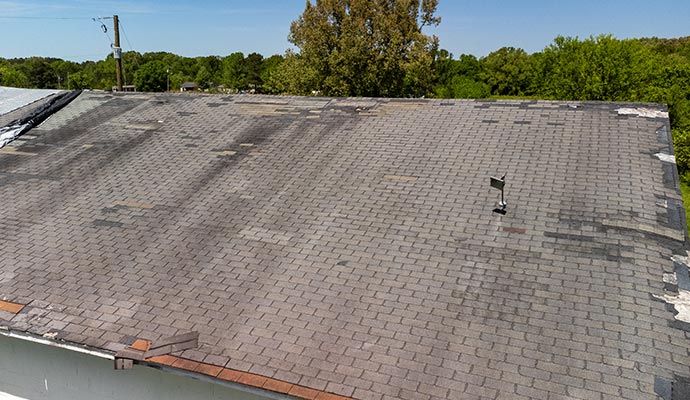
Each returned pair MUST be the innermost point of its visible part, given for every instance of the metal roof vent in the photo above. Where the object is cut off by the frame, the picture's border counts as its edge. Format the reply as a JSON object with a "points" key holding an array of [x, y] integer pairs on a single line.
{"points": [[499, 183]]}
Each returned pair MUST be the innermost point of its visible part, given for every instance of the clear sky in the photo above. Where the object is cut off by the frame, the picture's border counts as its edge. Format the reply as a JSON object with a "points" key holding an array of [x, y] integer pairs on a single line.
{"points": [[64, 29]]}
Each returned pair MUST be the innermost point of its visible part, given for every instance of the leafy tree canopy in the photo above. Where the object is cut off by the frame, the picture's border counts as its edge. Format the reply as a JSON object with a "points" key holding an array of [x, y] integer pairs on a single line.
{"points": [[363, 48], [152, 77]]}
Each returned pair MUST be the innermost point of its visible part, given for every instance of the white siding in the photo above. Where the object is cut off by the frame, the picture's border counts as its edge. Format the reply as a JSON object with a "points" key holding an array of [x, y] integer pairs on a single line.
{"points": [[34, 371]]}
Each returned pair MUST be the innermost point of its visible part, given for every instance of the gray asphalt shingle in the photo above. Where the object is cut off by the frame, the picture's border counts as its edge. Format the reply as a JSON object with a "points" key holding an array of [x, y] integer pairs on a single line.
{"points": [[350, 245]]}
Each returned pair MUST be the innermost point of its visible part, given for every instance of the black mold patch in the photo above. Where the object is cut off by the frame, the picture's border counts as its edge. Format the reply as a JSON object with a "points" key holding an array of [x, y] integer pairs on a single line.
{"points": [[522, 122], [490, 121], [555, 123]]}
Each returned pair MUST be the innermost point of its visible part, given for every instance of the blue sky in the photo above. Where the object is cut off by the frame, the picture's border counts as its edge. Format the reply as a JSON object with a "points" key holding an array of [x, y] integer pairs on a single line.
{"points": [[218, 27]]}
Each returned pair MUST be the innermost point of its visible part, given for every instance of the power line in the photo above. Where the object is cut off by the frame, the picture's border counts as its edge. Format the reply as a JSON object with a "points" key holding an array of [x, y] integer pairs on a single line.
{"points": [[62, 18], [104, 28]]}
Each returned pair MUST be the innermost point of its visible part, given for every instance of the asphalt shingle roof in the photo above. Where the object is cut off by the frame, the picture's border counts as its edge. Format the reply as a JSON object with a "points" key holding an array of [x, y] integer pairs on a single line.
{"points": [[350, 245]]}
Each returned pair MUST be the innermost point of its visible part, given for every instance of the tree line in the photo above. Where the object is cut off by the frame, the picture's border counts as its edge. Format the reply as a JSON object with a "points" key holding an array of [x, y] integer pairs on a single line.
{"points": [[149, 72]]}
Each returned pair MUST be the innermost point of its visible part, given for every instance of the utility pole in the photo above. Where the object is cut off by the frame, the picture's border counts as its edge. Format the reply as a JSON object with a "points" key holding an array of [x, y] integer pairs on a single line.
{"points": [[117, 52]]}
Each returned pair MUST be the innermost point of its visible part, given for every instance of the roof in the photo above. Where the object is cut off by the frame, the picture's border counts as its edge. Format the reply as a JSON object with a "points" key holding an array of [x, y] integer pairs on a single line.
{"points": [[189, 85], [351, 246]]}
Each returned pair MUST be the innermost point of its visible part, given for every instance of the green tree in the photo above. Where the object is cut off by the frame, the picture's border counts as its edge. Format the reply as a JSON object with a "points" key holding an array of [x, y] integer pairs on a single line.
{"points": [[507, 71], [464, 87], [203, 78], [80, 80], [364, 48], [39, 72], [12, 77], [253, 66], [268, 69], [234, 73], [601, 68], [151, 77]]}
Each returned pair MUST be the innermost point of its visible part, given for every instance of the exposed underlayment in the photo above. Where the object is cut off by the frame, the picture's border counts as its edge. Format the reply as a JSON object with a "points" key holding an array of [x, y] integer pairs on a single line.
{"points": [[352, 250], [643, 112]]}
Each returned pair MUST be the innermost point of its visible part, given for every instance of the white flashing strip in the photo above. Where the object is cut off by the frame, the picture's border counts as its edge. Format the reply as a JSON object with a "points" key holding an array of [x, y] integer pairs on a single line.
{"points": [[52, 343]]}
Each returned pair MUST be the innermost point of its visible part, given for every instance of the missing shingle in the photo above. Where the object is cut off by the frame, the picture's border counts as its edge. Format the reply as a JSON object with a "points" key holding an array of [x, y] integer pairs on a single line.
{"points": [[522, 122], [511, 229], [489, 121]]}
